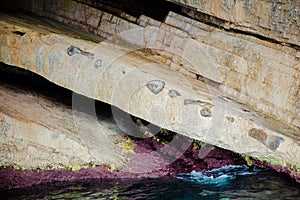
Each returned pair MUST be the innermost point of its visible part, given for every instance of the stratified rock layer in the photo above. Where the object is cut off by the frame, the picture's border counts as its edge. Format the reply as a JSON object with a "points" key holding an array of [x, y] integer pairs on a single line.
{"points": [[43, 140], [257, 72], [195, 85], [38, 133], [120, 75], [277, 19]]}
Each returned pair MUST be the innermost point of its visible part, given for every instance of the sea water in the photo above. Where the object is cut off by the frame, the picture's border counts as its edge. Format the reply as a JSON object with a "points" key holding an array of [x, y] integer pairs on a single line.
{"points": [[231, 182]]}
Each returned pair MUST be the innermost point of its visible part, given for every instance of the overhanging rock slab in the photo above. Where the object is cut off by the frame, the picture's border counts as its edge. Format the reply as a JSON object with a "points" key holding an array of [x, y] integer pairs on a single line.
{"points": [[251, 69], [39, 133], [124, 76]]}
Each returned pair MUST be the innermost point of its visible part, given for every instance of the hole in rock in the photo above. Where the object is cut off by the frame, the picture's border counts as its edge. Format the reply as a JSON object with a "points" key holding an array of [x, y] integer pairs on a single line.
{"points": [[20, 33]]}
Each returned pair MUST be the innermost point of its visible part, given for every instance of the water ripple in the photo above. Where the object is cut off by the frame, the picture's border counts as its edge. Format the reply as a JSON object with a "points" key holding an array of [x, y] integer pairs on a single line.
{"points": [[231, 182], [220, 176]]}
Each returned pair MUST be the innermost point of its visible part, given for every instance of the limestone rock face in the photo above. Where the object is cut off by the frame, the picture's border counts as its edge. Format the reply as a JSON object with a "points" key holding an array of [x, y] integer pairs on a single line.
{"points": [[224, 88], [37, 133], [256, 72], [277, 19], [130, 80]]}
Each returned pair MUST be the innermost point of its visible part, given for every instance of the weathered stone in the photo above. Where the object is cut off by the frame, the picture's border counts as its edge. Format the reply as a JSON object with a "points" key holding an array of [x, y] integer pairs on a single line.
{"points": [[39, 133], [75, 50], [257, 16], [93, 21], [147, 21], [258, 134], [273, 142], [155, 86], [205, 112], [195, 102], [236, 62], [270, 141], [98, 63], [239, 63], [260, 74], [174, 93], [231, 119]]}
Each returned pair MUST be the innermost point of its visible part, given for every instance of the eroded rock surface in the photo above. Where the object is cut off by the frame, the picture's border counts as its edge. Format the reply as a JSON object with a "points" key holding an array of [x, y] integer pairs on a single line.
{"points": [[201, 112], [192, 78], [251, 70], [44, 140], [275, 19], [39, 133]]}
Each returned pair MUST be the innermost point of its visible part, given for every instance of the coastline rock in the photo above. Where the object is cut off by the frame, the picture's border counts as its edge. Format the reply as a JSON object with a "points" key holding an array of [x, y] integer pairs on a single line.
{"points": [[248, 83], [253, 70], [278, 20]]}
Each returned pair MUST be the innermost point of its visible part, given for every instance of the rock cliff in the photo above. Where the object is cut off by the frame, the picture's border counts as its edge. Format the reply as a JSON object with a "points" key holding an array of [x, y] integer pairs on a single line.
{"points": [[226, 73]]}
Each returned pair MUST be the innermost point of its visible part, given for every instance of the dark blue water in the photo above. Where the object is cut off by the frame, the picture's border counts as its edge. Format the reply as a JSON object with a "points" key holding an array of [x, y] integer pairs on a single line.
{"points": [[233, 182]]}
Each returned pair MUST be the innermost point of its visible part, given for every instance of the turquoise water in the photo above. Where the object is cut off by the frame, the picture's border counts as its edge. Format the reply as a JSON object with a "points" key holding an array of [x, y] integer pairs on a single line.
{"points": [[232, 182]]}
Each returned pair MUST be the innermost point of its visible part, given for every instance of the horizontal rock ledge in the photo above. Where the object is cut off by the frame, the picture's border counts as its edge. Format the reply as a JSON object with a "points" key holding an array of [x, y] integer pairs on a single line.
{"points": [[125, 77]]}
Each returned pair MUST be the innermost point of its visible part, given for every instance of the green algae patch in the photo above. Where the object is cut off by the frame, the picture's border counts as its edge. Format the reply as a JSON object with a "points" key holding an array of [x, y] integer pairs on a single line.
{"points": [[127, 146], [75, 168], [270, 162], [112, 168], [197, 145], [276, 162], [248, 159]]}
